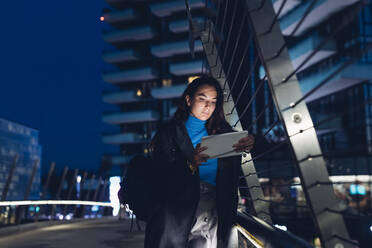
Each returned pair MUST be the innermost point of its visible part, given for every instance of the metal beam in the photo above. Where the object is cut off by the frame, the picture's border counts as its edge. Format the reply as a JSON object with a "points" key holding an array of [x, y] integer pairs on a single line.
{"points": [[64, 173], [72, 184], [9, 179], [298, 126]]}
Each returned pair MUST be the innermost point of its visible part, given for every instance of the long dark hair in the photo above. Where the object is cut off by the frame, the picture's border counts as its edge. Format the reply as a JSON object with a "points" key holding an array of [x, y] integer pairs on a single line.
{"points": [[217, 120]]}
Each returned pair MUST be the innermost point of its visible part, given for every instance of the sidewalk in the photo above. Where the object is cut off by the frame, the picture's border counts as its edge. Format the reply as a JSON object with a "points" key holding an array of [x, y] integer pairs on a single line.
{"points": [[100, 233]]}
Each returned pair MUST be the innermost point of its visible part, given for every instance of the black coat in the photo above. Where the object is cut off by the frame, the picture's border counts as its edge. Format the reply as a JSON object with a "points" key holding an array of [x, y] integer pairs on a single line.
{"points": [[179, 189]]}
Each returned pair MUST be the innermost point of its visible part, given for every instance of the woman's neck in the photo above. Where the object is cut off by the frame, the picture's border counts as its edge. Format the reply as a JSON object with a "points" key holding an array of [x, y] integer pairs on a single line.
{"points": [[194, 123]]}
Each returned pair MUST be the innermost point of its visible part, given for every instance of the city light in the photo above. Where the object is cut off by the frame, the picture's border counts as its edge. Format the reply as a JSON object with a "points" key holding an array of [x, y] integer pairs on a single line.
{"points": [[114, 189], [95, 208], [356, 189], [102, 18], [255, 241], [78, 179], [139, 92], [190, 79], [60, 216], [281, 227], [370, 228], [54, 202]]}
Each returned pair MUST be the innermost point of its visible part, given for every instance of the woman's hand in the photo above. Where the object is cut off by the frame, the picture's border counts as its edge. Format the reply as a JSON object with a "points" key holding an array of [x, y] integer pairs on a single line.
{"points": [[199, 157], [244, 144]]}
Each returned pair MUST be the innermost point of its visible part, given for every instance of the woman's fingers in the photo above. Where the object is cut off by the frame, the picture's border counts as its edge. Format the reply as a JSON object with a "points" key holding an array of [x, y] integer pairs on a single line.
{"points": [[243, 149], [199, 149], [244, 144], [201, 158], [204, 157], [202, 149], [247, 140]]}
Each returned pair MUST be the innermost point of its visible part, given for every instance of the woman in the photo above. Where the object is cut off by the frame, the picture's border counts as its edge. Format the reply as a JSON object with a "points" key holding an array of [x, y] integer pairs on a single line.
{"points": [[198, 194]]}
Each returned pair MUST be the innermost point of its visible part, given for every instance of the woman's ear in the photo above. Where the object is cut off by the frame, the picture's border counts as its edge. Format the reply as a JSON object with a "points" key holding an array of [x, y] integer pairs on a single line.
{"points": [[188, 100]]}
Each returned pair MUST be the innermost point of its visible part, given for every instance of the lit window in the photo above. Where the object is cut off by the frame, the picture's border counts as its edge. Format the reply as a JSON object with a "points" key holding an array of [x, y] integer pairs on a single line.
{"points": [[167, 82], [139, 92]]}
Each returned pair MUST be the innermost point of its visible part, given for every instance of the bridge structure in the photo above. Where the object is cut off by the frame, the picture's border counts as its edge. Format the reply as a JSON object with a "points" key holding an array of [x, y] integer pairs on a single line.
{"points": [[251, 48]]}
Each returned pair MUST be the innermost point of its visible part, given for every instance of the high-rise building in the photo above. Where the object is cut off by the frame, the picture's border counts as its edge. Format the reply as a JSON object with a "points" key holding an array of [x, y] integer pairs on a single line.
{"points": [[150, 64], [21, 141]]}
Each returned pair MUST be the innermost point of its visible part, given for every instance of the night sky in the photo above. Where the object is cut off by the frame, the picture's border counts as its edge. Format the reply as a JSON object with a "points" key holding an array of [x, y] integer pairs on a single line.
{"points": [[50, 77]]}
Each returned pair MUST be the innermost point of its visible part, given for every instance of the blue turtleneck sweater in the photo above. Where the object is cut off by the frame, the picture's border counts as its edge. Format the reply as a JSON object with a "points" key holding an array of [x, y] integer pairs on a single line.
{"points": [[196, 130]]}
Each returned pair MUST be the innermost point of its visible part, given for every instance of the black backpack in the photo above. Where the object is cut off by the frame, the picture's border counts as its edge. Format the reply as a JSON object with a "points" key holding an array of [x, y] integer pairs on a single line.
{"points": [[138, 188]]}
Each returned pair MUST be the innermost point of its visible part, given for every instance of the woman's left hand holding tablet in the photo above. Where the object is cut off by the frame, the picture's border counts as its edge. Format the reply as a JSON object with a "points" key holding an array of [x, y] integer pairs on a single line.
{"points": [[244, 144], [198, 158]]}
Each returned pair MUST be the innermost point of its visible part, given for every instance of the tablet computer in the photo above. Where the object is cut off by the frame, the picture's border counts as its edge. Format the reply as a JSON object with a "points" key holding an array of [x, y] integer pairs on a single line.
{"points": [[220, 145]]}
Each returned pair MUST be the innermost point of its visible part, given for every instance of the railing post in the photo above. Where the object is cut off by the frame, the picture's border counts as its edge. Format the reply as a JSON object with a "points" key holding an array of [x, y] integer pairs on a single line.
{"points": [[97, 189], [9, 179], [83, 178], [71, 187], [50, 173], [21, 209], [64, 173], [86, 198], [95, 195], [7, 185], [31, 180], [45, 188], [102, 193]]}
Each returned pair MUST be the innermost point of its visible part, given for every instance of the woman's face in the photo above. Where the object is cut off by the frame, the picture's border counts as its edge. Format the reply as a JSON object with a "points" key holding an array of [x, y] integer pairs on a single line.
{"points": [[203, 103]]}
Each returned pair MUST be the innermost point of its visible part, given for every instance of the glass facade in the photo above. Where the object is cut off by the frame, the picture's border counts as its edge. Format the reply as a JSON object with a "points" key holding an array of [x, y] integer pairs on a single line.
{"points": [[16, 139], [347, 128]]}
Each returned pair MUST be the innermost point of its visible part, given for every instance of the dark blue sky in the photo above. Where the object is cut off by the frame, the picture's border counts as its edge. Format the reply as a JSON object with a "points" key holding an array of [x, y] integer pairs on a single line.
{"points": [[50, 76]]}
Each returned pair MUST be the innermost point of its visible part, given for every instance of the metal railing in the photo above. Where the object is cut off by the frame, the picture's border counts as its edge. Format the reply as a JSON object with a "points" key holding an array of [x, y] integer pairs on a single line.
{"points": [[73, 201], [286, 177]]}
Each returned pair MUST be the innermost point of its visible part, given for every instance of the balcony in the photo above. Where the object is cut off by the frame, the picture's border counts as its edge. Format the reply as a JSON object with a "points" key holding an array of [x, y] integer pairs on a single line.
{"points": [[122, 138], [168, 92], [119, 16], [186, 68], [168, 8], [120, 56], [121, 159], [141, 74], [323, 10], [351, 76], [133, 34], [182, 25], [302, 50], [289, 5], [120, 97], [131, 117], [334, 87], [170, 49]]}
